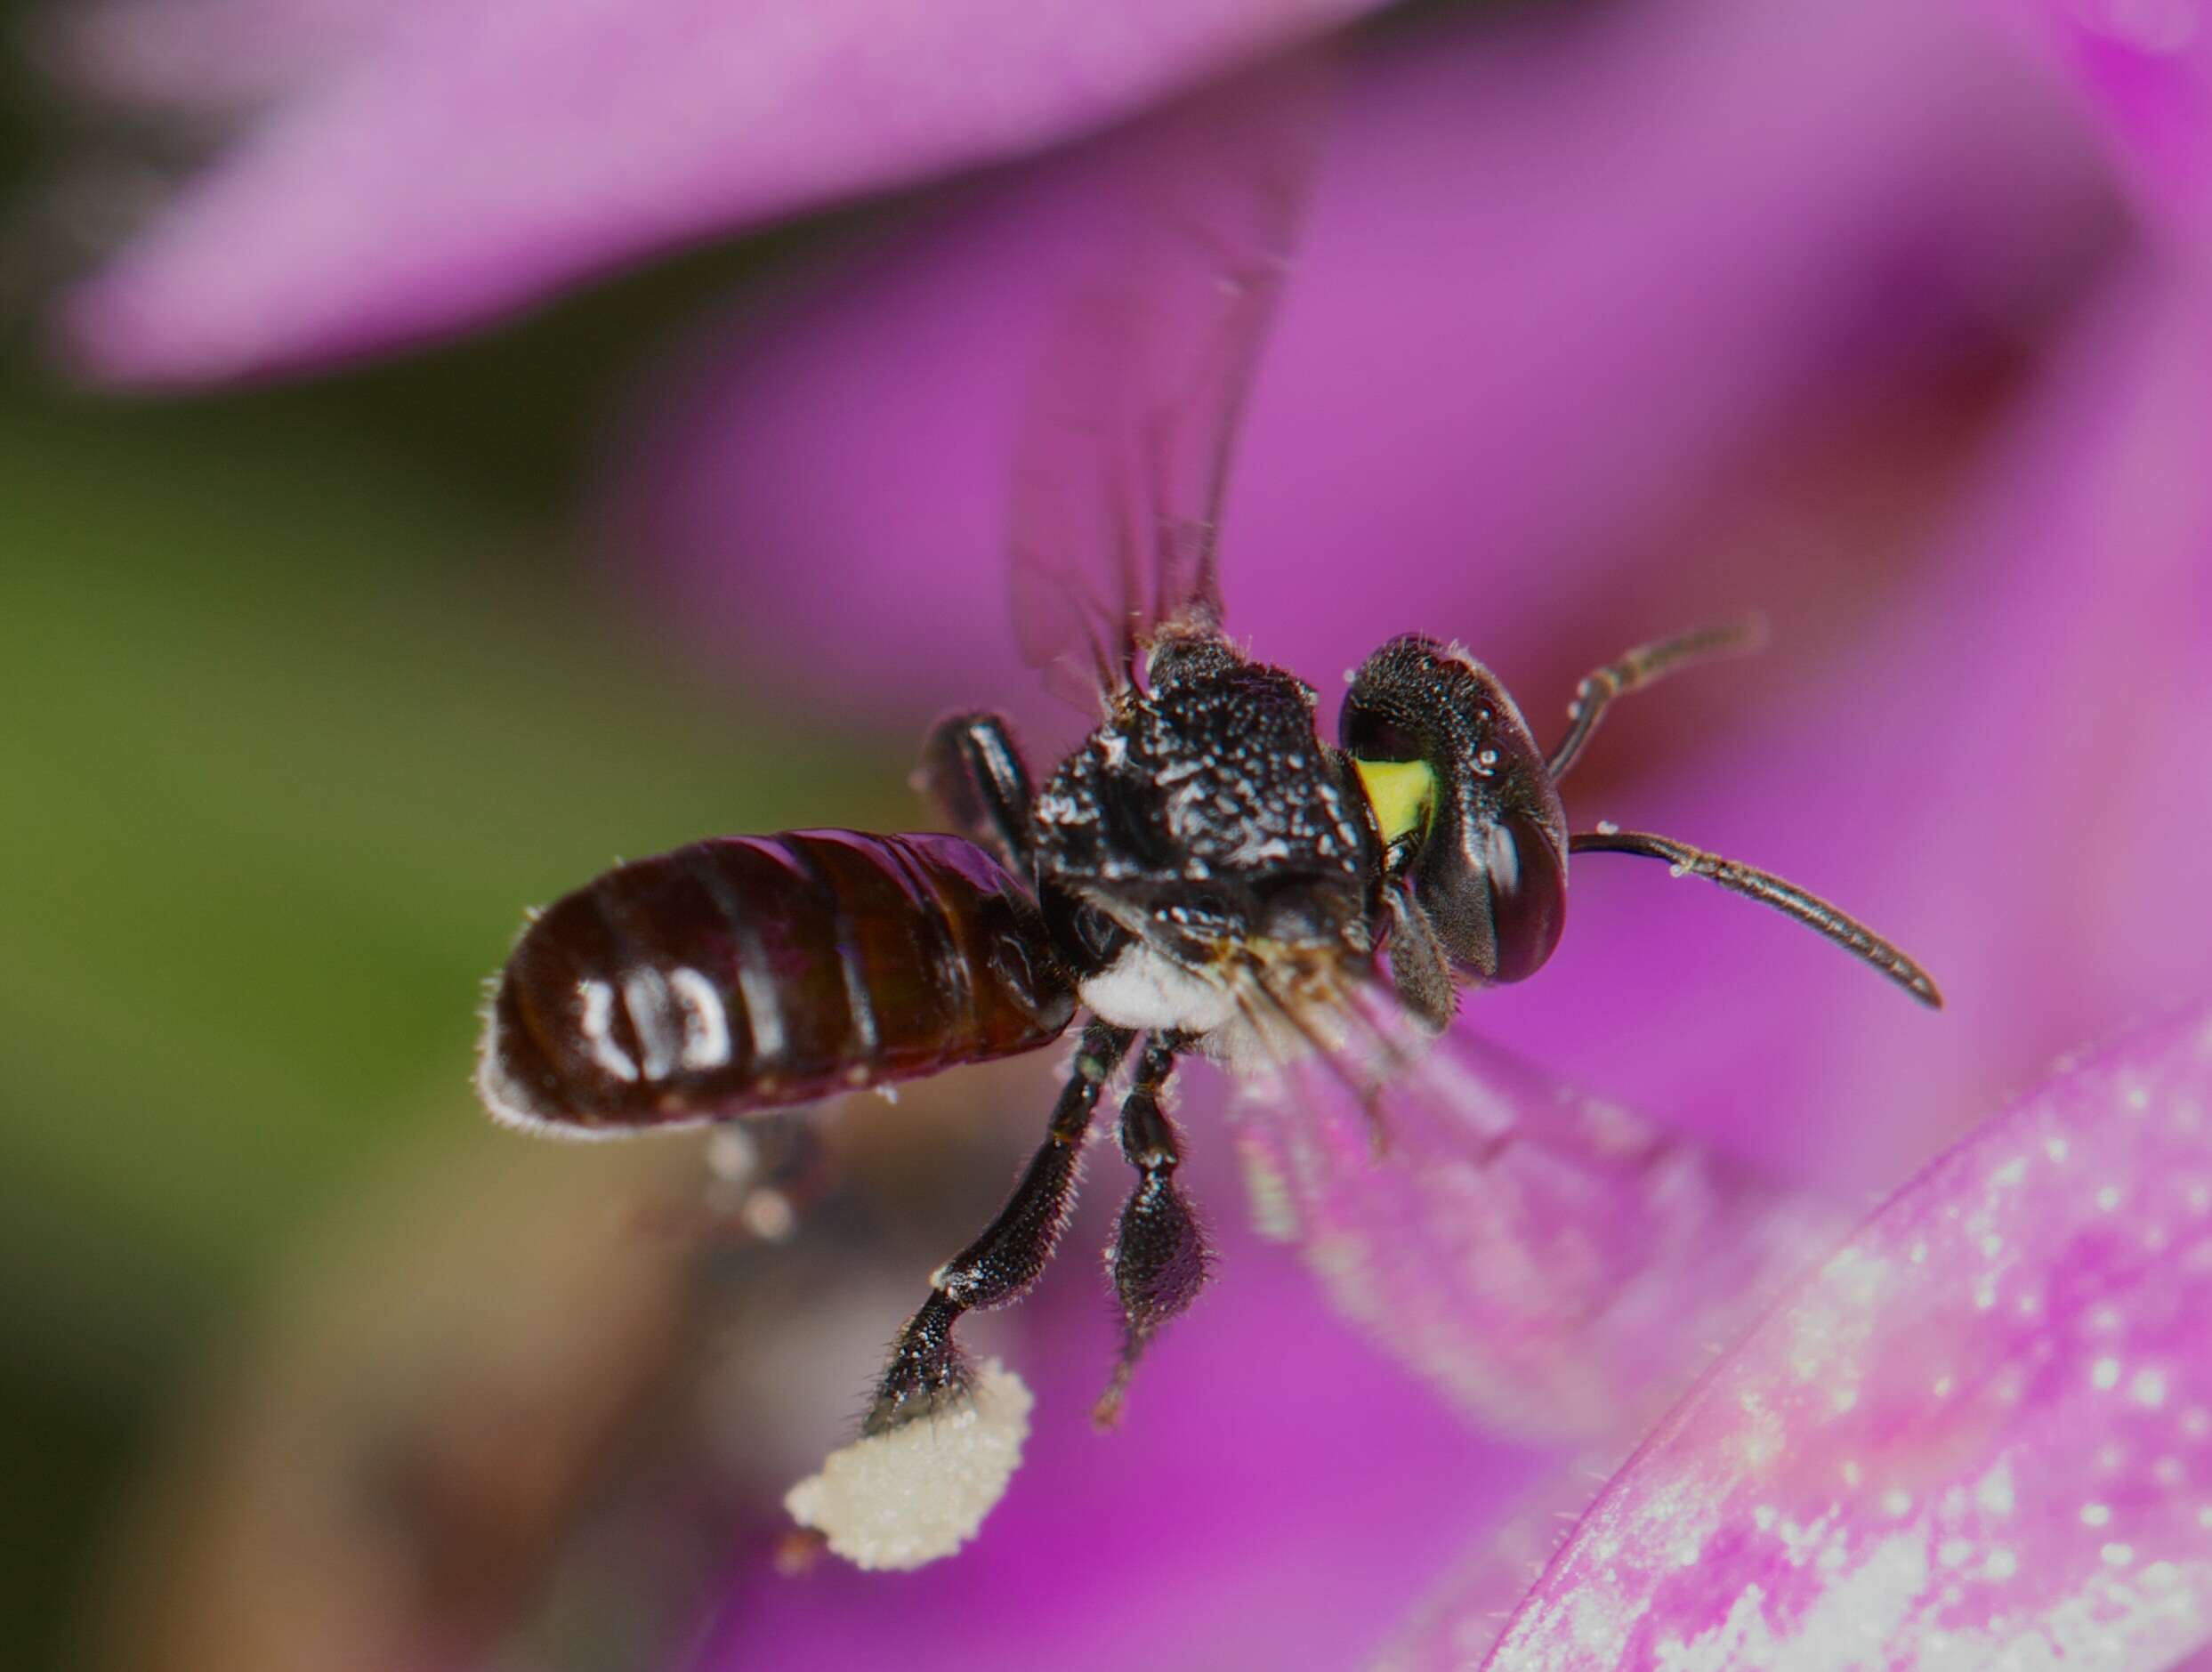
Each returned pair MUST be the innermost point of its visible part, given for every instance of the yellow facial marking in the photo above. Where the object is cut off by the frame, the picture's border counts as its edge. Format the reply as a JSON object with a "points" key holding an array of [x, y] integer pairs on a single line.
{"points": [[1401, 793]]}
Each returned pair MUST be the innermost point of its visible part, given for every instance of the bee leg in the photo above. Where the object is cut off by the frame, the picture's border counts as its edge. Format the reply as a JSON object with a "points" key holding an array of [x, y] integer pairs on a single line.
{"points": [[1158, 1258], [998, 1267], [973, 768], [1418, 968]]}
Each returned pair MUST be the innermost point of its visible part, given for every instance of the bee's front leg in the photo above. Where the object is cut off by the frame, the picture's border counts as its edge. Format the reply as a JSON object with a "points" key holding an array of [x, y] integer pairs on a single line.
{"points": [[973, 768]]}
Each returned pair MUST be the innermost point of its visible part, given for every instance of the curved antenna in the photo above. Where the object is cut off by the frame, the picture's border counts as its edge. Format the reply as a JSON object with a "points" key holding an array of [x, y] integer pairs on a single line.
{"points": [[1770, 890], [1644, 666]]}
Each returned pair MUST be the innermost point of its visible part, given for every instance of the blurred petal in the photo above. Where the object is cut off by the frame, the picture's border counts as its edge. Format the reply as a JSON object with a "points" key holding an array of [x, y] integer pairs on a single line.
{"points": [[487, 153], [1508, 349], [2144, 67], [1551, 1262], [1981, 1436], [2006, 771], [212, 57], [453, 1354], [1461, 1620]]}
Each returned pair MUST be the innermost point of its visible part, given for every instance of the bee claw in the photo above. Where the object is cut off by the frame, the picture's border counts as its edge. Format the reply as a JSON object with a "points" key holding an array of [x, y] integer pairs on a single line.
{"points": [[1106, 1414]]}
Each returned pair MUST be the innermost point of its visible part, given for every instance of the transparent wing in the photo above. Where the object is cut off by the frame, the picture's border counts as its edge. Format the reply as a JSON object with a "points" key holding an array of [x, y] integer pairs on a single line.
{"points": [[1561, 1268], [1133, 412]]}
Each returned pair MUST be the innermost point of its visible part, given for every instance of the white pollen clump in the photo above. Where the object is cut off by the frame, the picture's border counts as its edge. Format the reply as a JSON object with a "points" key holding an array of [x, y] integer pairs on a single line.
{"points": [[906, 1498]]}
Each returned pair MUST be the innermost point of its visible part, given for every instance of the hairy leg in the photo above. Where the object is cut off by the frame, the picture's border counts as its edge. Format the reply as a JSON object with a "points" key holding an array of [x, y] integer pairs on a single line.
{"points": [[1000, 1265], [1158, 1258]]}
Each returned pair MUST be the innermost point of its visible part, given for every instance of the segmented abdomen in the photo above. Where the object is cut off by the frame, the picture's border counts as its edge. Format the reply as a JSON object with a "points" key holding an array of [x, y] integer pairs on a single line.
{"points": [[746, 972]]}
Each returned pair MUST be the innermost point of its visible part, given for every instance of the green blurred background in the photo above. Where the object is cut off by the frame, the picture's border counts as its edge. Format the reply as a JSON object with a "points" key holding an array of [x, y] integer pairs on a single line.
{"points": [[303, 695]]}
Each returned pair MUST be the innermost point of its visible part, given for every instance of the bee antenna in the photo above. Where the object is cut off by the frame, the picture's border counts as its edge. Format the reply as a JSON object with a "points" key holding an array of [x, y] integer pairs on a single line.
{"points": [[1640, 667], [1770, 890]]}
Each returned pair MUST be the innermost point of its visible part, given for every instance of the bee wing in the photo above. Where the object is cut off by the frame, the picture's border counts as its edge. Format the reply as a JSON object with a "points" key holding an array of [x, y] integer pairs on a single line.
{"points": [[1133, 413], [1561, 1268]]}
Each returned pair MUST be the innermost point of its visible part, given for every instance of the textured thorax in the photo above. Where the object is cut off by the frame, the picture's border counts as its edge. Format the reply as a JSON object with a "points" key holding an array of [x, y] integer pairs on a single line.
{"points": [[1204, 827], [1216, 777]]}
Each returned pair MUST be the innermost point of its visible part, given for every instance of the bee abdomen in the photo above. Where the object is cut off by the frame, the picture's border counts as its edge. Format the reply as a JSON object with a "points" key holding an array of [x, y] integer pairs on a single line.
{"points": [[745, 973]]}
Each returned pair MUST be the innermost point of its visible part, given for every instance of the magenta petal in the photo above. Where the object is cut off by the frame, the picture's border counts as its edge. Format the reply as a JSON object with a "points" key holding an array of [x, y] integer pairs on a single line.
{"points": [[1980, 1435], [490, 153], [211, 58], [2144, 67], [1937, 778], [1506, 354]]}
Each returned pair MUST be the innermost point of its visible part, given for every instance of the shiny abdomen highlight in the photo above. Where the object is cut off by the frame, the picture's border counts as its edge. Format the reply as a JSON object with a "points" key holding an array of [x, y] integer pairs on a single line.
{"points": [[745, 973]]}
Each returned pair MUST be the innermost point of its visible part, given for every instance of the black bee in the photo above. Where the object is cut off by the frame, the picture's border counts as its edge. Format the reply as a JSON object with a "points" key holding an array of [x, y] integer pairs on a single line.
{"points": [[1207, 874]]}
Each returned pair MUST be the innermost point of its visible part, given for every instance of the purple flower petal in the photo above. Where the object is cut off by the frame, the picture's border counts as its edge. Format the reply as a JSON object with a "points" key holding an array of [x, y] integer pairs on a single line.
{"points": [[1980, 1435], [2144, 67], [1507, 351], [213, 57], [2004, 769], [487, 153]]}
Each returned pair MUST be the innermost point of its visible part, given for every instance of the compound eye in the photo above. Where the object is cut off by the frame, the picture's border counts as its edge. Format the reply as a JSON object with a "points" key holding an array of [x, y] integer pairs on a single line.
{"points": [[1369, 735], [1527, 895]]}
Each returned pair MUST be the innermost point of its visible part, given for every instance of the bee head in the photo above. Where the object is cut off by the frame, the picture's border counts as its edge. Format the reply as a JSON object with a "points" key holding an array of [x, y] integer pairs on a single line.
{"points": [[1460, 799]]}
